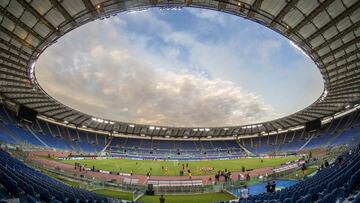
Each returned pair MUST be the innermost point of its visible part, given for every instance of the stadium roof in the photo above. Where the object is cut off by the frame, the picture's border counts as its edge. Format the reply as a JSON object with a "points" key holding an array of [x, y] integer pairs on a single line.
{"points": [[326, 30]]}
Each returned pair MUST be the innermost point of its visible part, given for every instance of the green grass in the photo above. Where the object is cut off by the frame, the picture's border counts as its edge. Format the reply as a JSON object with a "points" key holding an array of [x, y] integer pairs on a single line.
{"points": [[68, 182], [115, 194], [174, 167], [198, 198]]}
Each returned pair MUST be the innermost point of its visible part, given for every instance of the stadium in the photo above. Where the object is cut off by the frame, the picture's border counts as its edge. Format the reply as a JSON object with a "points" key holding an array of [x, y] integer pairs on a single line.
{"points": [[54, 151]]}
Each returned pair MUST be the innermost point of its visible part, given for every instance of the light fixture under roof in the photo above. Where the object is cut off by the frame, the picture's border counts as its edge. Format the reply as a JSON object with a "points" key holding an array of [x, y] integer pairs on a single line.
{"points": [[99, 120]]}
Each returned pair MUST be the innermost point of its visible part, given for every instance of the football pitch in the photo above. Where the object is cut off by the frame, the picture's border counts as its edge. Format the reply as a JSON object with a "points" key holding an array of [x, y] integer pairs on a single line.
{"points": [[173, 168], [195, 198]]}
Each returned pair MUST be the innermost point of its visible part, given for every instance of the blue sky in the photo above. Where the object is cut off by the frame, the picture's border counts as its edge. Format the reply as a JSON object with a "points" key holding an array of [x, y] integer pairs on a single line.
{"points": [[182, 68]]}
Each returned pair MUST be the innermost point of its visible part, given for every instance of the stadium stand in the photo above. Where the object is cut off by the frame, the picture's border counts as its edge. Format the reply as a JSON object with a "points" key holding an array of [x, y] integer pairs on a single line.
{"points": [[332, 184], [120, 146], [30, 185], [343, 130]]}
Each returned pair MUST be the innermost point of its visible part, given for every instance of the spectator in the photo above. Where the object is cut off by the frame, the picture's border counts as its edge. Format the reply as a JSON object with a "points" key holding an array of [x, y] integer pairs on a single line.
{"points": [[340, 161], [304, 169], [247, 177], [162, 199], [268, 187], [244, 193], [217, 177], [326, 163], [273, 186]]}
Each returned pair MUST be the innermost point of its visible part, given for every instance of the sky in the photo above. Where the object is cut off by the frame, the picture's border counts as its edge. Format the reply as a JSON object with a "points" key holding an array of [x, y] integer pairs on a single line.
{"points": [[188, 67]]}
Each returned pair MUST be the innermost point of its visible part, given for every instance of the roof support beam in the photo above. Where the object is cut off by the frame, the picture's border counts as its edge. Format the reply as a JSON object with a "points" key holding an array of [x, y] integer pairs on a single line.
{"points": [[344, 80], [319, 112], [306, 117], [36, 102], [278, 122], [342, 47], [312, 15], [14, 80], [349, 85], [338, 36], [29, 8], [328, 108], [28, 97], [271, 124], [13, 55], [345, 65], [89, 6], [61, 112], [20, 23], [62, 108], [77, 117], [30, 92], [46, 106], [300, 119], [16, 75], [334, 21], [256, 5], [21, 41], [68, 115], [345, 56], [63, 11], [84, 119], [288, 122], [346, 97], [339, 100], [13, 47], [349, 89], [97, 125], [14, 69], [50, 109], [283, 12], [12, 61], [18, 86]]}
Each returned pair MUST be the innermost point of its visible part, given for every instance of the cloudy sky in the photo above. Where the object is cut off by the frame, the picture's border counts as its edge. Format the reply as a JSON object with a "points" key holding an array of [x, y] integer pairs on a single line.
{"points": [[181, 68]]}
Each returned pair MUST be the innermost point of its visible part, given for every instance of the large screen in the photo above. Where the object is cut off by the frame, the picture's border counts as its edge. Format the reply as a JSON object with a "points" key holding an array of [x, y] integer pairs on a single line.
{"points": [[313, 125], [26, 114]]}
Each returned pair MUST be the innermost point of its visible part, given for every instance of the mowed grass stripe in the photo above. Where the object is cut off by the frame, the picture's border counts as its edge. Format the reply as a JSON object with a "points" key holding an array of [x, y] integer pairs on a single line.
{"points": [[141, 167], [197, 198], [115, 194]]}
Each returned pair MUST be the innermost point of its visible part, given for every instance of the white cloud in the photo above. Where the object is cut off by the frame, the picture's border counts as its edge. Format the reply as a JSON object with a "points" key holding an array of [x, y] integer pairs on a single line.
{"points": [[107, 71]]}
